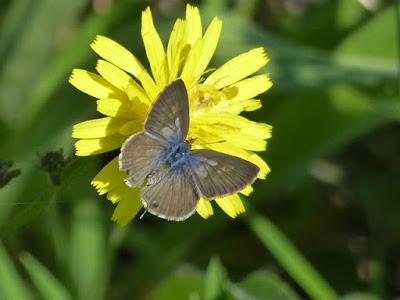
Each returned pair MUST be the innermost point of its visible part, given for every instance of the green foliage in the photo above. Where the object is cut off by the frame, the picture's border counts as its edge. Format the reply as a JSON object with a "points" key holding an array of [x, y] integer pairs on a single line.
{"points": [[335, 110], [215, 281], [12, 286], [42, 278], [288, 256]]}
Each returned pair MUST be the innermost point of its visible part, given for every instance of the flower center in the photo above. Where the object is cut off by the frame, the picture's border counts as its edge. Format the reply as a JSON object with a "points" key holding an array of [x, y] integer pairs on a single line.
{"points": [[206, 96]]}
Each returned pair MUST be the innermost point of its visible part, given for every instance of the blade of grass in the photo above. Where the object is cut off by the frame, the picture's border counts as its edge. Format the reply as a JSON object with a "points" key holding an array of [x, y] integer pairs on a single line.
{"points": [[74, 54], [11, 284], [49, 287], [16, 15], [290, 258], [215, 280], [397, 10], [89, 254], [22, 70]]}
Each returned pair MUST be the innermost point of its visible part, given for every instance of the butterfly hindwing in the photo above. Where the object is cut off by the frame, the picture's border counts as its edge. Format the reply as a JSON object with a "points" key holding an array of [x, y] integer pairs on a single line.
{"points": [[140, 155], [173, 197], [169, 116], [217, 174]]}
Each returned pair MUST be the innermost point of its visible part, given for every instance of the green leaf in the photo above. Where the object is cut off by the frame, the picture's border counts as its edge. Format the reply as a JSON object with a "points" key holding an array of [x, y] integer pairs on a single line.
{"points": [[328, 121], [290, 258], [215, 280], [266, 285], [12, 285], [361, 296], [184, 284], [294, 67], [49, 287], [382, 30]]}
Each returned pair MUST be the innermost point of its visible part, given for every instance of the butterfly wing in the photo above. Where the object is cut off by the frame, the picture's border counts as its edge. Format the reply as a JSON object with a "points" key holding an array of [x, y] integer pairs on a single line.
{"points": [[217, 174], [140, 156], [169, 115], [173, 197]]}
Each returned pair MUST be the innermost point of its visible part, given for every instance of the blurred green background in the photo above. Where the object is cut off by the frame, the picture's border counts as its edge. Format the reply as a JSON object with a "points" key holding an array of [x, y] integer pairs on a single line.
{"points": [[335, 158]]}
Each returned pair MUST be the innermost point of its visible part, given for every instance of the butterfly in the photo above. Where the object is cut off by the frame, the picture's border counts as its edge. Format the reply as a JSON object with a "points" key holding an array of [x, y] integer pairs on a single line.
{"points": [[173, 175]]}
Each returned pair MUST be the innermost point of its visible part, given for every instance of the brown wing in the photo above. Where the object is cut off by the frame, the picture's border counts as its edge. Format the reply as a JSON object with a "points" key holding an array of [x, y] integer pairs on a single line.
{"points": [[140, 156], [174, 197], [169, 115], [217, 174]]}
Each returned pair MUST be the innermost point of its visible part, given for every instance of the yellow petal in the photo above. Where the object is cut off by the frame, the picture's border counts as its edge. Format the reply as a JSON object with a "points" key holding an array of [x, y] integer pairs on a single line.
{"points": [[176, 44], [154, 49], [115, 108], [258, 161], [231, 205], [250, 87], [149, 85], [234, 129], [96, 146], [109, 177], [128, 206], [210, 42], [247, 190], [238, 68], [201, 117], [204, 208], [117, 55], [194, 30], [225, 122], [113, 74], [237, 137], [188, 72], [123, 59], [94, 85], [131, 127], [260, 130], [122, 81], [236, 107], [97, 128]]}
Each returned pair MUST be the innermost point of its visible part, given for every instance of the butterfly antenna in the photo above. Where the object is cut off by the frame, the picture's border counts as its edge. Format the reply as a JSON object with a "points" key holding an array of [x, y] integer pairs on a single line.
{"points": [[141, 216], [212, 143]]}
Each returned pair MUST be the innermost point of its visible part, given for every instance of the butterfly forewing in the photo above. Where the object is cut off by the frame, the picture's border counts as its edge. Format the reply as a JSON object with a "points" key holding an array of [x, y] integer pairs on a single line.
{"points": [[217, 174], [173, 197], [140, 156], [169, 116]]}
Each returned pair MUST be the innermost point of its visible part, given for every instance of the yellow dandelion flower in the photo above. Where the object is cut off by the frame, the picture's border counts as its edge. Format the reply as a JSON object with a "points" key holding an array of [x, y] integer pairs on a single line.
{"points": [[125, 91]]}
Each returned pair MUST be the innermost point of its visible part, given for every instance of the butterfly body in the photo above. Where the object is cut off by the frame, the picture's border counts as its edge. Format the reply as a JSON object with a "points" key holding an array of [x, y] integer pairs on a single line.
{"points": [[178, 154], [175, 176]]}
